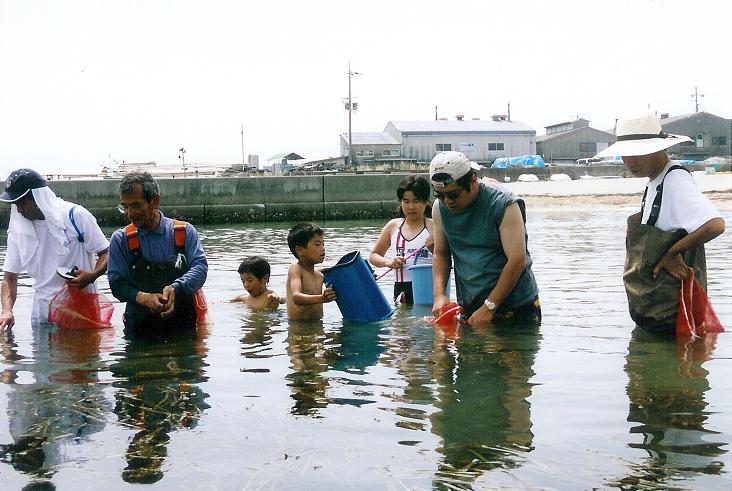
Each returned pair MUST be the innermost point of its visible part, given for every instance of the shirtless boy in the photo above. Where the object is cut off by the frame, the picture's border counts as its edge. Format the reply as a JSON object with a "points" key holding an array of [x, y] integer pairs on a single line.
{"points": [[305, 294], [254, 272]]}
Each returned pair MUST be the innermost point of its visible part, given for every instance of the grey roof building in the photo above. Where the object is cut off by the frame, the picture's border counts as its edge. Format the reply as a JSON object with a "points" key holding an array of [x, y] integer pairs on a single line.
{"points": [[372, 147], [481, 140], [711, 135], [572, 140]]}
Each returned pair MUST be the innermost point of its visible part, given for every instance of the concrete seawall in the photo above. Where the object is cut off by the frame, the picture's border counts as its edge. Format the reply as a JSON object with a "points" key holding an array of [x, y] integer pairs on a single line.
{"points": [[270, 199], [245, 199]]}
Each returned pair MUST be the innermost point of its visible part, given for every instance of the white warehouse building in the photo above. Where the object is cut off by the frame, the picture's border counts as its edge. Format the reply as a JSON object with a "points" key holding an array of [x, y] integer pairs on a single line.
{"points": [[481, 140]]}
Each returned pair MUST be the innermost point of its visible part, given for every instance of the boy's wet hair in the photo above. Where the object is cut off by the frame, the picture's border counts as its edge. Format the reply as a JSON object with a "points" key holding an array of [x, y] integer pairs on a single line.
{"points": [[256, 265], [301, 234]]}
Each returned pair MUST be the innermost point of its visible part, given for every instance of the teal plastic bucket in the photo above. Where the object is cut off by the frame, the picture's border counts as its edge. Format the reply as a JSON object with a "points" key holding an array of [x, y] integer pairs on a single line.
{"points": [[422, 284], [359, 298]]}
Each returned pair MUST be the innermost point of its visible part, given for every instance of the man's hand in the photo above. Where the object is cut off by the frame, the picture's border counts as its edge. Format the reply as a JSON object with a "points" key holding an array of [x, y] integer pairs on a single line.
{"points": [[440, 302], [329, 294], [169, 298], [674, 264], [153, 301], [82, 279], [7, 320], [481, 317]]}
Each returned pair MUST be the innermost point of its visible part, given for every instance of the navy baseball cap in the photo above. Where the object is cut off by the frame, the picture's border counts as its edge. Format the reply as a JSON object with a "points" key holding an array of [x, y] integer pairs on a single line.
{"points": [[19, 183]]}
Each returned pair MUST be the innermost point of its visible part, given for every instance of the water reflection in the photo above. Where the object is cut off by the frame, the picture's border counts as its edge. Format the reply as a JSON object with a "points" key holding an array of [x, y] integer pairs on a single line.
{"points": [[359, 347], [316, 351], [484, 416], [158, 377], [666, 387], [393, 405], [55, 399], [411, 353], [311, 351]]}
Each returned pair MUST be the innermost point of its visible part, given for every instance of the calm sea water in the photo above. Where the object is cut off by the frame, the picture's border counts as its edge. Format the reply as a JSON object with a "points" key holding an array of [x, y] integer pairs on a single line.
{"points": [[257, 402]]}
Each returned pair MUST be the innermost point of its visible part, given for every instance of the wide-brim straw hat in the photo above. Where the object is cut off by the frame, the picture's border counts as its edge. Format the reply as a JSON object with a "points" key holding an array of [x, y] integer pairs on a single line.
{"points": [[641, 136]]}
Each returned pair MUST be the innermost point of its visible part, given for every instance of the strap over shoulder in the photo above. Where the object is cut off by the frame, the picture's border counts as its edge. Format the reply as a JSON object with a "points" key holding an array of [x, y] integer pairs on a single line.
{"points": [[179, 231], [79, 233], [133, 241], [656, 206]]}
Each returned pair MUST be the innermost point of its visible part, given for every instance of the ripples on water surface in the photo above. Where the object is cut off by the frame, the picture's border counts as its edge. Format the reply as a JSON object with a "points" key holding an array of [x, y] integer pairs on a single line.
{"points": [[259, 402]]}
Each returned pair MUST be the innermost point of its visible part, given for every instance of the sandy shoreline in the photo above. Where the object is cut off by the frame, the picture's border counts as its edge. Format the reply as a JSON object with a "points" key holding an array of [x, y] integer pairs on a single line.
{"points": [[722, 200], [611, 192]]}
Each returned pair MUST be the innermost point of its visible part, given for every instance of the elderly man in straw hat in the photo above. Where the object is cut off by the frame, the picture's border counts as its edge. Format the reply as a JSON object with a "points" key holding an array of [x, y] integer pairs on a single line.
{"points": [[481, 229], [665, 240]]}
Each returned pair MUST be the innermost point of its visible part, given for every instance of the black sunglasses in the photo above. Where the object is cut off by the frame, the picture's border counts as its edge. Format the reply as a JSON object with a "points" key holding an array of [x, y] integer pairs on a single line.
{"points": [[451, 195]]}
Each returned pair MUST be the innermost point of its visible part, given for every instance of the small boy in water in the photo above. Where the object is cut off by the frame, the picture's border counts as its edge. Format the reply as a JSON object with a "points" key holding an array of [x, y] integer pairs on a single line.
{"points": [[254, 272], [305, 294]]}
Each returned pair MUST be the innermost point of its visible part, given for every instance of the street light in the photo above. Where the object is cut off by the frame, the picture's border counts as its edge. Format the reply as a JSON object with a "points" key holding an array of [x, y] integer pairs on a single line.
{"points": [[695, 97], [243, 162], [182, 156], [350, 107]]}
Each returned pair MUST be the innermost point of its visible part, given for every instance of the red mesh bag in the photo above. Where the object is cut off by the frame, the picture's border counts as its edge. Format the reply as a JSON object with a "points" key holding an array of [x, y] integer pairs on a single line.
{"points": [[74, 308], [696, 316], [199, 301]]}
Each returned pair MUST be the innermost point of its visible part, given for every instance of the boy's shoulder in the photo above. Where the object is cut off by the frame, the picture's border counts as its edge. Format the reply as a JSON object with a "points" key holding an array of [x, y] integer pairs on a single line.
{"points": [[297, 270], [301, 268]]}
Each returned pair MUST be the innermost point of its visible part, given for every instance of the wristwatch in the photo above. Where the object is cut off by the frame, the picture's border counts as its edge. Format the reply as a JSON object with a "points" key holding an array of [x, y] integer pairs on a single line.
{"points": [[489, 304]]}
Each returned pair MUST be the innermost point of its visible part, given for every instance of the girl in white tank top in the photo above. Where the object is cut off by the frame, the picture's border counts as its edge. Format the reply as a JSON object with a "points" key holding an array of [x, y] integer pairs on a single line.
{"points": [[401, 237], [403, 246]]}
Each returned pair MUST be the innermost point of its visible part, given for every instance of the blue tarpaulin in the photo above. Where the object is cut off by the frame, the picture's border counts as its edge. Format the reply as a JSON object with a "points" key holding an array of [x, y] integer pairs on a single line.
{"points": [[520, 161]]}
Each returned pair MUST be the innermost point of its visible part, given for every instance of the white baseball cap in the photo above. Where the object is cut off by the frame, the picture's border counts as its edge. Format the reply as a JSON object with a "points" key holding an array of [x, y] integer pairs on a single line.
{"points": [[448, 167]]}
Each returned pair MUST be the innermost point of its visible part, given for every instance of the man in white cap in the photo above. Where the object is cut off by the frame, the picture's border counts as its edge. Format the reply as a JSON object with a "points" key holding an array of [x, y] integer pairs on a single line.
{"points": [[481, 229], [46, 233], [665, 240]]}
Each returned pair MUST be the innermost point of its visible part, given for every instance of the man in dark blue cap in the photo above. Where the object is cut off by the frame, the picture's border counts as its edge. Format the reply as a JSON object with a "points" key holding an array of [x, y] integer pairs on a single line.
{"points": [[46, 233]]}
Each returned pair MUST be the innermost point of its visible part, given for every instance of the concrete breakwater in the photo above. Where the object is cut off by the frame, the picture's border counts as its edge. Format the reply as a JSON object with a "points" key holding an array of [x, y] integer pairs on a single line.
{"points": [[268, 199], [244, 199]]}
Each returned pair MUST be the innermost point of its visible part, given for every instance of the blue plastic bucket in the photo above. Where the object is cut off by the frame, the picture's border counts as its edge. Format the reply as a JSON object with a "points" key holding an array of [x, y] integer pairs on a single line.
{"points": [[422, 284], [359, 298]]}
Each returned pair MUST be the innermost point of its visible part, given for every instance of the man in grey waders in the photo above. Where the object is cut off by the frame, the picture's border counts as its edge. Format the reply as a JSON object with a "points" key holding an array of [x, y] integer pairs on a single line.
{"points": [[156, 264], [665, 240]]}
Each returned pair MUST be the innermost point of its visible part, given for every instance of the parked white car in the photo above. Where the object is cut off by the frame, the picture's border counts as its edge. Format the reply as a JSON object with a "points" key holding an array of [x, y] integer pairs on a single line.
{"points": [[586, 161]]}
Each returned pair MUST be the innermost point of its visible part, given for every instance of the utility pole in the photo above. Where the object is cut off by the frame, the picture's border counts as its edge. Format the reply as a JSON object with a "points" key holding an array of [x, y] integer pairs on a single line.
{"points": [[182, 156], [242, 145], [695, 97], [350, 107]]}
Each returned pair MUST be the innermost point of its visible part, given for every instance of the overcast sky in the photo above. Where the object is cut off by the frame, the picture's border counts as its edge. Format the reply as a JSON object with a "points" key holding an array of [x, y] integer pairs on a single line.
{"points": [[84, 83]]}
